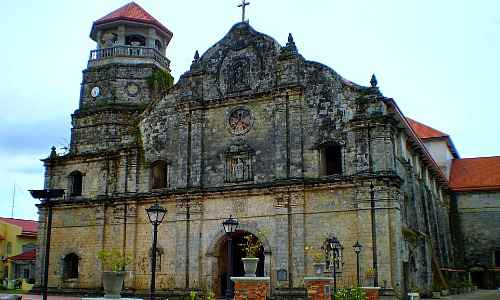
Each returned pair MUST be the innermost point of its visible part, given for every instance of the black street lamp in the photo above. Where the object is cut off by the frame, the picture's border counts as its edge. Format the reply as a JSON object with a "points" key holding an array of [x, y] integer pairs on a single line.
{"points": [[357, 248], [334, 247], [156, 214], [374, 234], [230, 225], [44, 196]]}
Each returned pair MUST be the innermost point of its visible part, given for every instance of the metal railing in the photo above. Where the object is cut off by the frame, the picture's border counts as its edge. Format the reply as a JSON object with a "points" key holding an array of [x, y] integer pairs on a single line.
{"points": [[128, 51]]}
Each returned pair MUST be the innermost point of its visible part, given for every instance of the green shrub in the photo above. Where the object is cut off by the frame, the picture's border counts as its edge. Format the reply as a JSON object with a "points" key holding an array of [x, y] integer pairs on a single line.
{"points": [[350, 294], [113, 260]]}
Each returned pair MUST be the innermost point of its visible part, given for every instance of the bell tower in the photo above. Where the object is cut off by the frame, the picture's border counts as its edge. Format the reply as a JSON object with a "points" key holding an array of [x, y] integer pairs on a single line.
{"points": [[130, 47]]}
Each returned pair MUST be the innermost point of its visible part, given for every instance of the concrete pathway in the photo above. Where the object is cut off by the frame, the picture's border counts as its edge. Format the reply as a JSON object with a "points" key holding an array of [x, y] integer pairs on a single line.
{"points": [[478, 295], [39, 297]]}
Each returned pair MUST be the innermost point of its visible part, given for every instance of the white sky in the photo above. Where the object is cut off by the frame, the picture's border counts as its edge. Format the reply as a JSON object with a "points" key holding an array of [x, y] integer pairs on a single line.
{"points": [[438, 59]]}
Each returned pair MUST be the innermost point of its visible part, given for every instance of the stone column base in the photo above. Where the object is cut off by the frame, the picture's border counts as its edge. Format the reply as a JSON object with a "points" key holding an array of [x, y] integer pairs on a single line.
{"points": [[251, 288], [319, 288]]}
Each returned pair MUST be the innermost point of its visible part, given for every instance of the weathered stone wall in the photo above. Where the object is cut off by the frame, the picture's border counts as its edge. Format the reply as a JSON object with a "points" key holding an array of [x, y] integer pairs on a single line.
{"points": [[316, 214], [479, 221]]}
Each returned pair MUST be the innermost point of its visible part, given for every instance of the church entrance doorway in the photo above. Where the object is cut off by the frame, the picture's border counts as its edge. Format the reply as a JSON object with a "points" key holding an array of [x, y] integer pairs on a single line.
{"points": [[238, 254]]}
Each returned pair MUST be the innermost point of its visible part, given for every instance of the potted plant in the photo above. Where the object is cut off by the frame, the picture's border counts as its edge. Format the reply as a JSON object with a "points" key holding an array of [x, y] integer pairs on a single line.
{"points": [[318, 257], [252, 247], [114, 263]]}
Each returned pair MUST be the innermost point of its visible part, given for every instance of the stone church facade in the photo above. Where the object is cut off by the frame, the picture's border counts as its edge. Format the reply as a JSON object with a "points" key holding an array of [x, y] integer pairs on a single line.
{"points": [[253, 130]]}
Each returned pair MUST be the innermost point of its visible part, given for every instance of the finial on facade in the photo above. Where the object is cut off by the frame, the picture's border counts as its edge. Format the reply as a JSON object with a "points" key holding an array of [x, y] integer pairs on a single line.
{"points": [[53, 153], [290, 38], [196, 56], [373, 81]]}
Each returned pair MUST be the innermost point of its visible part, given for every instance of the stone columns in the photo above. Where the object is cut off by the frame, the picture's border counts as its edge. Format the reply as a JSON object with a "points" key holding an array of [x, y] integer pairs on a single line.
{"points": [[250, 288], [318, 288]]}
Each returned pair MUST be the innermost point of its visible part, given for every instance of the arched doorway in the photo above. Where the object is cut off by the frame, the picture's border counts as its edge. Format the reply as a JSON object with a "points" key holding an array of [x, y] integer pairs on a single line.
{"points": [[238, 254]]}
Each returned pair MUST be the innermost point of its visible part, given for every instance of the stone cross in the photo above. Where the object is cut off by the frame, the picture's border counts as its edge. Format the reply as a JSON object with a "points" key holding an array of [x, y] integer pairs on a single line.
{"points": [[243, 5]]}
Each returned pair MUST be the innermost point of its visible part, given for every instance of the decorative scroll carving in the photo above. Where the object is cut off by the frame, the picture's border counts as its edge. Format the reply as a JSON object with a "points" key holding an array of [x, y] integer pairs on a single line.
{"points": [[239, 163]]}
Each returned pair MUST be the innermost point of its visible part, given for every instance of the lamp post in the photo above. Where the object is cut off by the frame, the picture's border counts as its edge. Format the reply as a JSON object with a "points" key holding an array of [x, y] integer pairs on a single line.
{"points": [[44, 196], [333, 247], [156, 214], [230, 225], [374, 234], [357, 248]]}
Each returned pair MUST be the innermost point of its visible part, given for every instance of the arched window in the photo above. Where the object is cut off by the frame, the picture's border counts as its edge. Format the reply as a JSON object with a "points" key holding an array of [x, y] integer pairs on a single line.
{"points": [[331, 160], [75, 182], [159, 175], [158, 45], [135, 40], [70, 266]]}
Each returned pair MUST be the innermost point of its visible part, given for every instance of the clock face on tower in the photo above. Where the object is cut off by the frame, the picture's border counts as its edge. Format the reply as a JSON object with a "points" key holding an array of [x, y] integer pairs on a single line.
{"points": [[95, 92], [240, 121]]}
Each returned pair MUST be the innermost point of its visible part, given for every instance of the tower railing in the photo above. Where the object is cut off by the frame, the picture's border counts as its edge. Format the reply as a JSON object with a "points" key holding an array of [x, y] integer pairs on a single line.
{"points": [[127, 51]]}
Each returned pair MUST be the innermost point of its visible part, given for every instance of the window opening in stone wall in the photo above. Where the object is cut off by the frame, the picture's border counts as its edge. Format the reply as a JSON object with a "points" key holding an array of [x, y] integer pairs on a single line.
{"points": [[70, 266], [158, 45], [159, 174], [331, 160], [76, 182], [135, 40], [497, 258]]}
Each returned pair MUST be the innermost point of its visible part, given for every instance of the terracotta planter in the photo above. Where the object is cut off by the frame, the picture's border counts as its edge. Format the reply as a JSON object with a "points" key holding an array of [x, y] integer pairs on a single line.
{"points": [[113, 283], [319, 269], [250, 266]]}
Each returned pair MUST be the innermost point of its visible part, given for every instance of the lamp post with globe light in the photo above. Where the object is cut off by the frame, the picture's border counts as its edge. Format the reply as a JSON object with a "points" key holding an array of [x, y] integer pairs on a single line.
{"points": [[156, 214], [357, 249], [230, 225]]}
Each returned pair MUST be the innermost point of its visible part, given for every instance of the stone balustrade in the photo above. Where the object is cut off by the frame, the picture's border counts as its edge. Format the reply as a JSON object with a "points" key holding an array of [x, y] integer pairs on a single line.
{"points": [[99, 55]]}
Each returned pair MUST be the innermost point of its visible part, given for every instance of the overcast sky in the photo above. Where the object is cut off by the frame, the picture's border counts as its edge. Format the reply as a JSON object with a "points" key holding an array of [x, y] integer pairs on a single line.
{"points": [[440, 61]]}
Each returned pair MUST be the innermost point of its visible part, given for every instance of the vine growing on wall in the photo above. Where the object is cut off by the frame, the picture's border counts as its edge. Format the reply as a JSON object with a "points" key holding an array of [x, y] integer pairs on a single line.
{"points": [[159, 82]]}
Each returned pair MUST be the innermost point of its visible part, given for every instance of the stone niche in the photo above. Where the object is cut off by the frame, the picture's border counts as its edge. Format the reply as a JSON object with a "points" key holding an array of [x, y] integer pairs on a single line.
{"points": [[239, 163]]}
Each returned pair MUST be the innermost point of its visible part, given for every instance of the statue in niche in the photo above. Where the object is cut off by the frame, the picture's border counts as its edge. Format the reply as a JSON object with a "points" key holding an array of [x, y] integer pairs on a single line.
{"points": [[238, 74], [239, 172], [238, 167]]}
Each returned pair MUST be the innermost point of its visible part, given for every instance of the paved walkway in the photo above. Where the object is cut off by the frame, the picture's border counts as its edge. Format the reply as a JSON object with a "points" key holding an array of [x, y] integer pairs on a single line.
{"points": [[478, 295], [38, 297]]}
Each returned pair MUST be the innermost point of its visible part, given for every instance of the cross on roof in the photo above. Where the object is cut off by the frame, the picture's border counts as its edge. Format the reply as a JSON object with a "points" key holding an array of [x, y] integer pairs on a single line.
{"points": [[243, 4]]}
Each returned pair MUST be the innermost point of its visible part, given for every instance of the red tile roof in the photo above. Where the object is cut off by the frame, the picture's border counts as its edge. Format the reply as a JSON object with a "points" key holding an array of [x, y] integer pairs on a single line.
{"points": [[26, 256], [479, 173], [29, 227], [135, 13], [425, 132]]}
